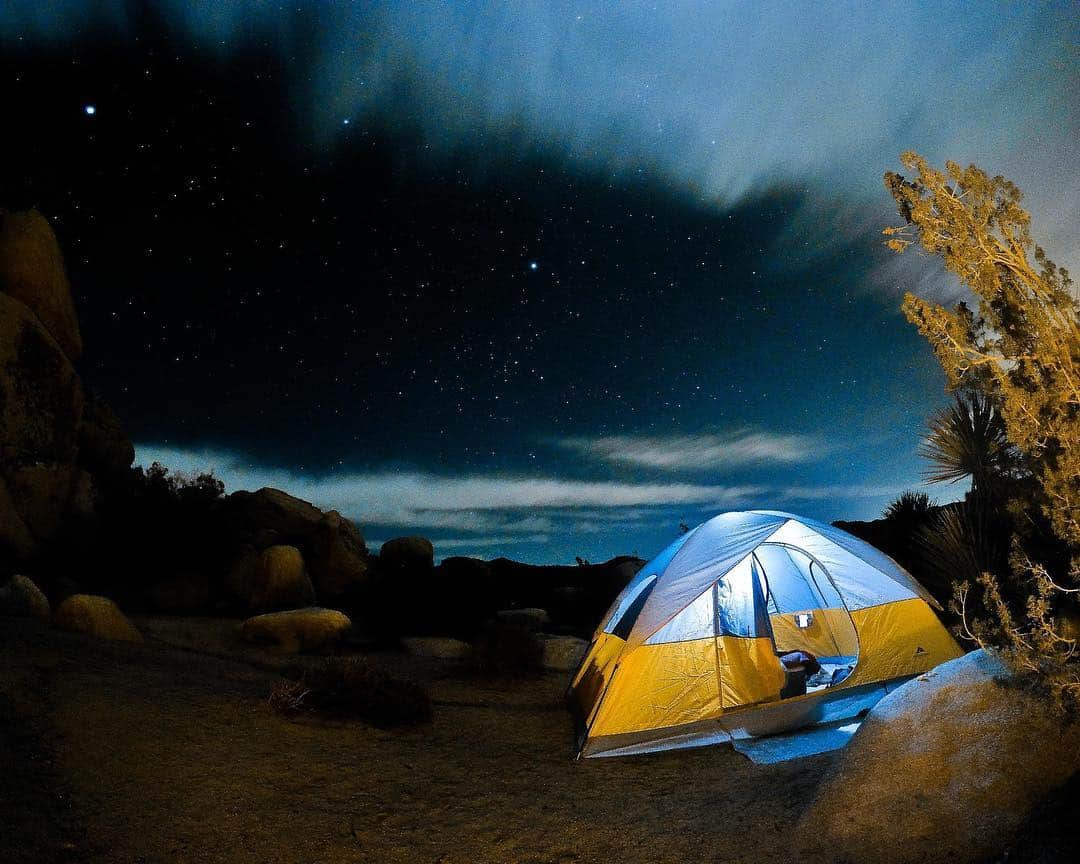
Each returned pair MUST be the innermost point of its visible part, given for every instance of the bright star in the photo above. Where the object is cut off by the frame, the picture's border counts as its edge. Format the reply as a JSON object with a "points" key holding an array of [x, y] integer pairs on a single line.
{"points": [[533, 265], [346, 121], [90, 109]]}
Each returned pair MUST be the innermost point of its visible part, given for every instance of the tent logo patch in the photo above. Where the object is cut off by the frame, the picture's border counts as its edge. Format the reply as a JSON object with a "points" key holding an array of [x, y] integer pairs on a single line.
{"points": [[919, 650]]}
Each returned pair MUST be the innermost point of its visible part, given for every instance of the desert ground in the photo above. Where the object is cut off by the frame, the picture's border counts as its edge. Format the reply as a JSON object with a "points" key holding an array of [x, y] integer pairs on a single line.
{"points": [[169, 752]]}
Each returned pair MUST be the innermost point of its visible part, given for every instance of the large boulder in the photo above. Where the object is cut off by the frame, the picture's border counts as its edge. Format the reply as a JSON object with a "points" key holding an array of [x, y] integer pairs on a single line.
{"points": [[562, 653], [274, 578], [41, 397], [16, 541], [297, 630], [54, 500], [440, 647], [414, 555], [95, 616], [271, 515], [21, 598], [944, 768], [337, 558], [461, 595], [104, 448], [186, 594], [32, 271]]}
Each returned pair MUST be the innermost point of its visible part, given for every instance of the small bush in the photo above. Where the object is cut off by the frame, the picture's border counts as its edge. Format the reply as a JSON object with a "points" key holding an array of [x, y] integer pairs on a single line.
{"points": [[288, 696], [507, 650], [351, 687], [910, 508]]}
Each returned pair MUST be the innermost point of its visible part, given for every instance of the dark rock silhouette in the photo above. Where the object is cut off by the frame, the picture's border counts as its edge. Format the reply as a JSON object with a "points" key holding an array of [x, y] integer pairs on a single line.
{"points": [[57, 447], [32, 271], [21, 598], [76, 515]]}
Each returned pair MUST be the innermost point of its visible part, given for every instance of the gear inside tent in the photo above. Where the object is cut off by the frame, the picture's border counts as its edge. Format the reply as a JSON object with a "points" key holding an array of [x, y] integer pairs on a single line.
{"points": [[752, 624]]}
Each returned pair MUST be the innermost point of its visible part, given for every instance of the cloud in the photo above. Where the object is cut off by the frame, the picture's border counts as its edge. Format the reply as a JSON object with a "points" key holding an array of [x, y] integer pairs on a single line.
{"points": [[734, 449], [481, 503], [458, 543]]}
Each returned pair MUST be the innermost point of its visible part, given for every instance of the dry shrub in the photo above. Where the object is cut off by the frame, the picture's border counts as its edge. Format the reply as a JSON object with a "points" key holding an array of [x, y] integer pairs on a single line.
{"points": [[287, 696], [351, 687]]}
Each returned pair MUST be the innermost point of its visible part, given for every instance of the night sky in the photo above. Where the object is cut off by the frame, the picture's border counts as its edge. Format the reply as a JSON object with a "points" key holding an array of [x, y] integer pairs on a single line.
{"points": [[533, 279]]}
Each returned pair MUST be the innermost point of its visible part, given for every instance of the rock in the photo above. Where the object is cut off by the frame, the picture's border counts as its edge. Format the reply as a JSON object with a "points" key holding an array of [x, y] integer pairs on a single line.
{"points": [[337, 558], [55, 501], [944, 768], [297, 630], [188, 593], [32, 271], [562, 653], [16, 542], [62, 588], [274, 578], [41, 397], [104, 448], [407, 555], [253, 515], [527, 619], [461, 595], [21, 598], [95, 616], [437, 646]]}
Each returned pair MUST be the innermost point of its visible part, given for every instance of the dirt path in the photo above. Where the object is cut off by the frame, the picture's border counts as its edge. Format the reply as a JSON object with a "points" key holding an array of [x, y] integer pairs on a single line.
{"points": [[173, 756]]}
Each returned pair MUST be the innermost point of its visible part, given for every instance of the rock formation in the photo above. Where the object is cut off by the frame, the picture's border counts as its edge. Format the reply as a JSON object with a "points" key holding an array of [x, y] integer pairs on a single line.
{"points": [[95, 616], [56, 443], [297, 630]]}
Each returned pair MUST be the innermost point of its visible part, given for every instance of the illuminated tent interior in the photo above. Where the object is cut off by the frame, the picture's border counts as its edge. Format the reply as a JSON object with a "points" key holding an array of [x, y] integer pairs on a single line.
{"points": [[751, 624]]}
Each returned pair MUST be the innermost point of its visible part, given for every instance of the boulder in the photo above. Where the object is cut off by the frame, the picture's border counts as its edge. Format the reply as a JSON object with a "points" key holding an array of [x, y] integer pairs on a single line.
{"points": [[41, 397], [944, 768], [32, 271], [407, 555], [54, 500], [437, 646], [527, 619], [270, 515], [104, 447], [562, 653], [16, 541], [274, 578], [337, 558], [188, 593], [95, 616], [297, 630], [462, 594], [21, 598]]}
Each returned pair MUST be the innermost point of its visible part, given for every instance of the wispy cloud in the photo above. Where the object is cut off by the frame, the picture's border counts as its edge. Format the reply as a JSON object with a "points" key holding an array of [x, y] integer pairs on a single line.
{"points": [[734, 449], [674, 88], [470, 543], [481, 503]]}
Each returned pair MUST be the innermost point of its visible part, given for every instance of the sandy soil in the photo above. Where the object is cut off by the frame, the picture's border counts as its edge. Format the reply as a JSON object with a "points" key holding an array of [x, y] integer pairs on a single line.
{"points": [[169, 752]]}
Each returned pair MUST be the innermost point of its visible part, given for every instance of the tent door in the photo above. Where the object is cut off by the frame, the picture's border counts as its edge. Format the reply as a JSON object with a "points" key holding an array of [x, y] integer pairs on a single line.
{"points": [[807, 614], [748, 668]]}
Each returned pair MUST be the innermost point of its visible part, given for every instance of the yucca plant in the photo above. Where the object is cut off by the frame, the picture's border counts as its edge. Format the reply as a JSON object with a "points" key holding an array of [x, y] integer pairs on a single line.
{"points": [[910, 508], [968, 439], [961, 543]]}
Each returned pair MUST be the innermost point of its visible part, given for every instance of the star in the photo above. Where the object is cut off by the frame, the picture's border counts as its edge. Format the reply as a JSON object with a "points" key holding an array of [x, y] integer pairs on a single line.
{"points": [[90, 110], [533, 265]]}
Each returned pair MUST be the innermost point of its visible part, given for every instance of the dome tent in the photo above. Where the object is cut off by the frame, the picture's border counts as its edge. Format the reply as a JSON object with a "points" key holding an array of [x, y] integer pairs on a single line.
{"points": [[752, 623]]}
